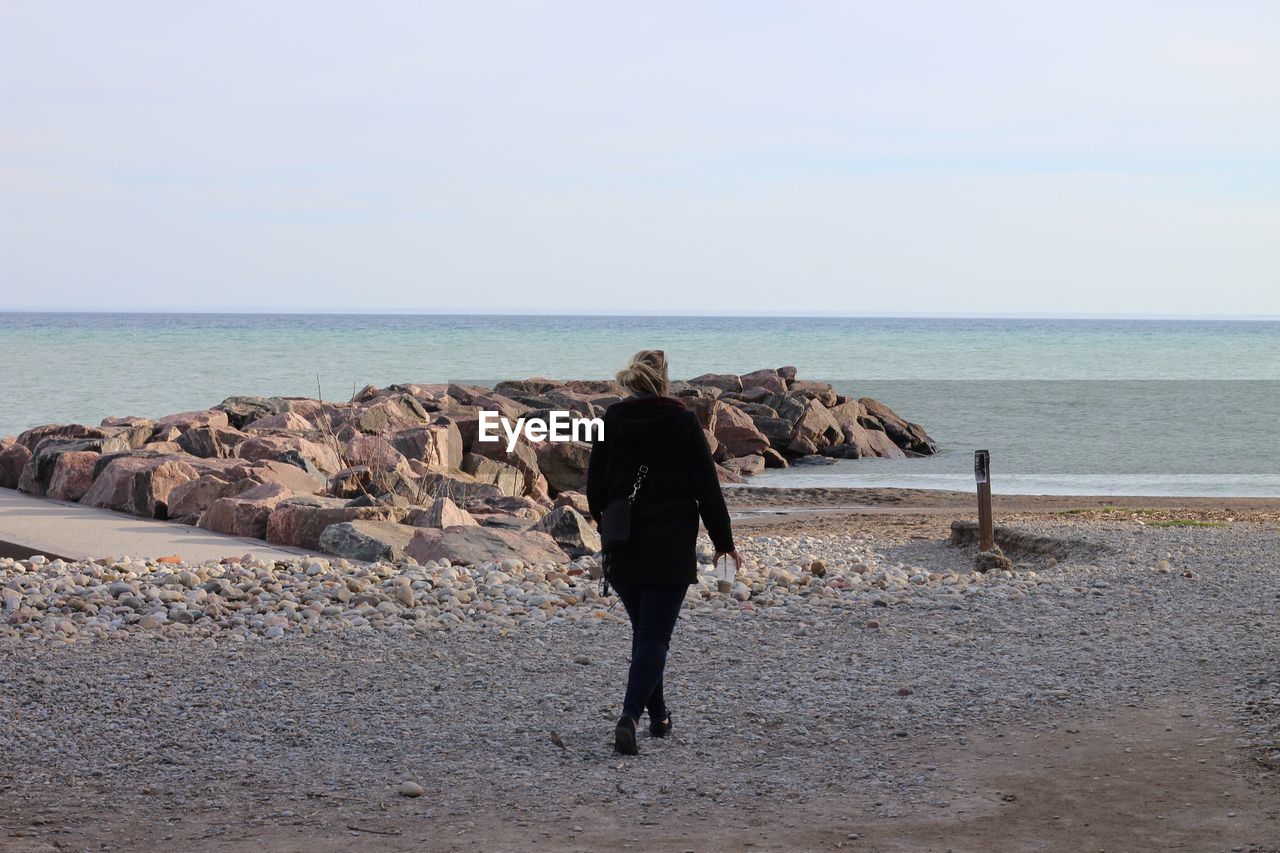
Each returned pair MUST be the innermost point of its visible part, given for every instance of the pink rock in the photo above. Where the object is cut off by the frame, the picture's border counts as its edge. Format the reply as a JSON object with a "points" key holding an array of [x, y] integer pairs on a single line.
{"points": [[372, 451], [815, 430], [574, 500], [509, 479], [138, 484], [746, 465], [727, 476], [288, 421], [437, 445], [32, 437], [211, 442], [188, 500], [444, 513], [184, 421], [474, 545], [297, 480], [564, 464], [768, 380], [723, 381], [522, 457], [245, 514], [12, 461], [290, 448], [737, 432], [299, 525], [72, 475]]}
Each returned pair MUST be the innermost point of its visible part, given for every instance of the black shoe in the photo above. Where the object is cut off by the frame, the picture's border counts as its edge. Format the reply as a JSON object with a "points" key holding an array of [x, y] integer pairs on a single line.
{"points": [[660, 728], [624, 737]]}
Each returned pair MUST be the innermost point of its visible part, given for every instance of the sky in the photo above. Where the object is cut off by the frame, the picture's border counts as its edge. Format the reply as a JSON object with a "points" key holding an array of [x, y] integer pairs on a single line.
{"points": [[693, 157]]}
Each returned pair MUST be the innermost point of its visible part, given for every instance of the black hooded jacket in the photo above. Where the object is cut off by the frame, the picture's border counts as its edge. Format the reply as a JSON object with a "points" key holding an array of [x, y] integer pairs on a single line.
{"points": [[681, 485]]}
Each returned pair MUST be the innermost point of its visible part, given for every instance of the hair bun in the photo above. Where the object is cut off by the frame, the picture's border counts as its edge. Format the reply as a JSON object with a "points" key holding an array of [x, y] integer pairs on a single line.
{"points": [[646, 374]]}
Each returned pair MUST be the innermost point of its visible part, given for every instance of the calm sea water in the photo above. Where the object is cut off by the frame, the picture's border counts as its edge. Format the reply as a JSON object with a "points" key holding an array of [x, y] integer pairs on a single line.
{"points": [[1064, 406]]}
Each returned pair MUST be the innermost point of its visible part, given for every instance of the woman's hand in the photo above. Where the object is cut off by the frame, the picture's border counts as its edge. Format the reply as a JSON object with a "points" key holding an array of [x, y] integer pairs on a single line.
{"points": [[737, 561]]}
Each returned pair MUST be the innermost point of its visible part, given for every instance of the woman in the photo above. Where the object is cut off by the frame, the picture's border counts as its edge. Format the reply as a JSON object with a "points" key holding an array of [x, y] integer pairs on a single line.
{"points": [[653, 570]]}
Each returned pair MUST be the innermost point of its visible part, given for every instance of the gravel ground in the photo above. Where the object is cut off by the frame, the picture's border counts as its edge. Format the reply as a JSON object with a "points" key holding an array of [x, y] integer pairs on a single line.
{"points": [[860, 696]]}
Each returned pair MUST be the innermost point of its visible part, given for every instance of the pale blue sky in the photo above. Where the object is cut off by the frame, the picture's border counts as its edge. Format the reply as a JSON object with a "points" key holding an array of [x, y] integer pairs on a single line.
{"points": [[735, 157]]}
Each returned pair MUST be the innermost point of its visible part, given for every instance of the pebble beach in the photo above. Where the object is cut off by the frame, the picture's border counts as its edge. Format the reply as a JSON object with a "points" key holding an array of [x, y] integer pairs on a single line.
{"points": [[841, 689]]}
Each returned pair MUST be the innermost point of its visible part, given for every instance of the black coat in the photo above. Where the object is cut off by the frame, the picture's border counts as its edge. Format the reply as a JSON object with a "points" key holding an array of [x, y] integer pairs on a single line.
{"points": [[681, 485]]}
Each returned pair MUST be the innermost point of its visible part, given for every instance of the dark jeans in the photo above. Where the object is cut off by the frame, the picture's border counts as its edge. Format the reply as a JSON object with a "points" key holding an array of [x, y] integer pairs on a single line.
{"points": [[653, 609]]}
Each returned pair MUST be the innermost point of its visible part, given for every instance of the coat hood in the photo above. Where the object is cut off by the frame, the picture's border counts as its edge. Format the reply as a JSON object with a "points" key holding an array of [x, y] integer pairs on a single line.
{"points": [[641, 421]]}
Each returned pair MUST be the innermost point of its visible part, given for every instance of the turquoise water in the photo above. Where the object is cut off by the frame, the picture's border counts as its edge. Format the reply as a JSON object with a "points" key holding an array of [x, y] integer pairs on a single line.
{"points": [[1042, 395]]}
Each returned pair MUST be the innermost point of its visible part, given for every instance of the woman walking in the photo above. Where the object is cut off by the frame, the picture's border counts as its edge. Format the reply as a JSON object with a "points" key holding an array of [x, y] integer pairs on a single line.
{"points": [[654, 455]]}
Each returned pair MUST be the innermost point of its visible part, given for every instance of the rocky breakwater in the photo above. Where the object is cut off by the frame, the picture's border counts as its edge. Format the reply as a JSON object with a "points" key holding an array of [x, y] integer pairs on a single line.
{"points": [[399, 473]]}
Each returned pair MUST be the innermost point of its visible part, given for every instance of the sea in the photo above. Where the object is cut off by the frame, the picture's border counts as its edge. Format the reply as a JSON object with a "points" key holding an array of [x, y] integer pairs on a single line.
{"points": [[1064, 406]]}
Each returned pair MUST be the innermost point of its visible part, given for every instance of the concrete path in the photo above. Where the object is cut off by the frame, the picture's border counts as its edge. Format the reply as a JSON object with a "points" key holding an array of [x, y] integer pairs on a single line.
{"points": [[30, 525]]}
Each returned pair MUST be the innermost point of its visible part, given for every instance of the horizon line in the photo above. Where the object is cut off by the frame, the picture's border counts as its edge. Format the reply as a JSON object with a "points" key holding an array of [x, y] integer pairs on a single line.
{"points": [[878, 315]]}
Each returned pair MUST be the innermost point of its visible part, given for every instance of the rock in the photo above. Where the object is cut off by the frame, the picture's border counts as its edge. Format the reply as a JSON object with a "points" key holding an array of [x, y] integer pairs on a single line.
{"points": [[822, 392], [439, 445], [522, 457], [818, 568], [287, 421], [564, 464], [994, 559], [813, 459], [735, 430], [292, 449], [31, 438], [137, 484], [404, 593], [374, 452], [188, 500], [576, 500], [12, 461], [814, 430], [184, 421], [247, 513], [300, 522], [521, 507], [388, 414], [368, 540], [72, 475], [774, 459], [410, 789], [766, 380], [444, 513], [776, 430], [211, 442], [243, 410], [789, 408], [570, 530], [475, 545], [138, 431], [724, 475], [509, 479], [457, 485], [904, 434], [303, 481], [723, 381], [38, 472], [746, 465]]}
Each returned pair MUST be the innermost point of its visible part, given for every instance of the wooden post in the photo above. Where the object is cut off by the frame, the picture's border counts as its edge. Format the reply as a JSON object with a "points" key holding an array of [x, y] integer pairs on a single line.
{"points": [[982, 473]]}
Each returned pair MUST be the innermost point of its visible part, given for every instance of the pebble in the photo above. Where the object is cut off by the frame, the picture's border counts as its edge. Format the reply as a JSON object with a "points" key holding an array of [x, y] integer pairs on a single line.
{"points": [[410, 789]]}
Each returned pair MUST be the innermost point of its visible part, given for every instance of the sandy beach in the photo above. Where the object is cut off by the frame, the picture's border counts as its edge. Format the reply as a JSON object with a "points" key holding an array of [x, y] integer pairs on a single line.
{"points": [[1126, 696]]}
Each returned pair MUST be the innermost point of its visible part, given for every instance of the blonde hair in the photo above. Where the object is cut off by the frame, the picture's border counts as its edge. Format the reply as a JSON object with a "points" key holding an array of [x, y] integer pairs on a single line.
{"points": [[647, 373]]}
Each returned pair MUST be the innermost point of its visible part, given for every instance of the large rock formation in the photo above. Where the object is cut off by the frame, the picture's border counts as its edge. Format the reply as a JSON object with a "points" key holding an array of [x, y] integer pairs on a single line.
{"points": [[401, 470]]}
